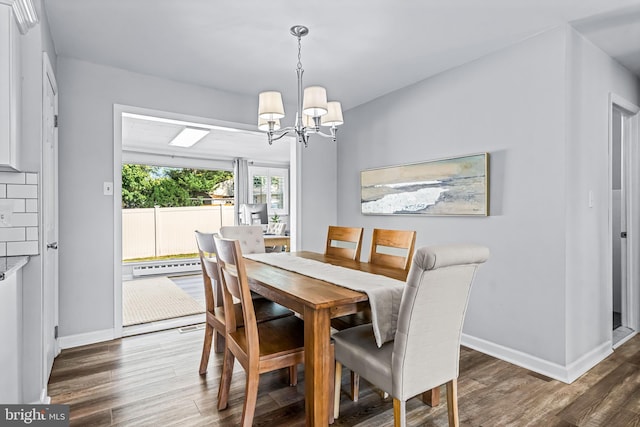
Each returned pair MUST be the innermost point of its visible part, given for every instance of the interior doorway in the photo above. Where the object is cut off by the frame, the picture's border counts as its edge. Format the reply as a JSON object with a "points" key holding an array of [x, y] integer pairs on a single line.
{"points": [[624, 222], [149, 137]]}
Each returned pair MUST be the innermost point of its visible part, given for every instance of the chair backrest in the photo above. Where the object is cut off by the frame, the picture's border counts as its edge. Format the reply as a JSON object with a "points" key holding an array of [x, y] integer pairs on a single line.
{"points": [[426, 349], [233, 276], [250, 236], [344, 242], [392, 248], [276, 228], [207, 253]]}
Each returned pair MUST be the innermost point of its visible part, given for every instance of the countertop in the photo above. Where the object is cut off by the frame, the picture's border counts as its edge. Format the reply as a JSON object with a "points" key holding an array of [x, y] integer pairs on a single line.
{"points": [[11, 264]]}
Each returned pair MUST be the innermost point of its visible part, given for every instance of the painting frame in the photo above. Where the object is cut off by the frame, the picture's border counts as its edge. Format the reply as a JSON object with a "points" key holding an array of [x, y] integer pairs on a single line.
{"points": [[451, 186]]}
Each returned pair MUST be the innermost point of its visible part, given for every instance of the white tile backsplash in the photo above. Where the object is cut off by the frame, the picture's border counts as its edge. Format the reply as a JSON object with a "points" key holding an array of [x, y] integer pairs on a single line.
{"points": [[32, 178], [32, 233], [21, 237], [13, 234], [22, 248], [19, 205], [13, 178], [31, 205], [26, 191], [24, 220]]}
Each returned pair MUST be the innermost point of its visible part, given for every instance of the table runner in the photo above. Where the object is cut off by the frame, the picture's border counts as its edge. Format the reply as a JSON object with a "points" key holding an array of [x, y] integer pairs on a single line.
{"points": [[383, 292]]}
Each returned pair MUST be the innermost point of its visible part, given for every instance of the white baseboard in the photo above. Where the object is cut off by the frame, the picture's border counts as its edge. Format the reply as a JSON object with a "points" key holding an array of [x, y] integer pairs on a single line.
{"points": [[78, 340], [44, 399], [576, 369], [566, 374]]}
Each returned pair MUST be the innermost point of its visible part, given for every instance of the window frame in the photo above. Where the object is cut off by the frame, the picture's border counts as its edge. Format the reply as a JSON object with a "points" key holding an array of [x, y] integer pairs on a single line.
{"points": [[270, 172]]}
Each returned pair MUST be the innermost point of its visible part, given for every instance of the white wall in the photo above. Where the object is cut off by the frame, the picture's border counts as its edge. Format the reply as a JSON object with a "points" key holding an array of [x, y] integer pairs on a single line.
{"points": [[87, 95], [510, 104], [540, 109], [591, 77], [318, 195]]}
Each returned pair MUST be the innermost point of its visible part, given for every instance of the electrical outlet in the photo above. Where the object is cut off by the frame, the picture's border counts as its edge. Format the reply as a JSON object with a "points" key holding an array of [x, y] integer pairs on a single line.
{"points": [[6, 213]]}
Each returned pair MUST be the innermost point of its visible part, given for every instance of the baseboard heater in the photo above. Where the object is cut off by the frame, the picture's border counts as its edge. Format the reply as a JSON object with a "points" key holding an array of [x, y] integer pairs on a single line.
{"points": [[169, 267]]}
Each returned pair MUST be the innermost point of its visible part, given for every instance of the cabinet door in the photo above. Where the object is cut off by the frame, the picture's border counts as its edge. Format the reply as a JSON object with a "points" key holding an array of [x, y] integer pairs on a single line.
{"points": [[9, 89]]}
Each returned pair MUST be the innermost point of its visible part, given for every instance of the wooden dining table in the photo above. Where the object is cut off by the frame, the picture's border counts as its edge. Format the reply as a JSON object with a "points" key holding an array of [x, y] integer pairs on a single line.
{"points": [[318, 302], [277, 240]]}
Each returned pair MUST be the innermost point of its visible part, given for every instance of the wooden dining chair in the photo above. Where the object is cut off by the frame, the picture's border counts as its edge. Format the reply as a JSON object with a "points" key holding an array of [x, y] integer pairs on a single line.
{"points": [[426, 351], [259, 347], [344, 242], [215, 314], [392, 248], [389, 248]]}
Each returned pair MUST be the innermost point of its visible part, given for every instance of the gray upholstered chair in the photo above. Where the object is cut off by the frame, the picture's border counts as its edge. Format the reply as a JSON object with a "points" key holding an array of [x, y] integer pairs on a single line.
{"points": [[251, 237], [426, 350]]}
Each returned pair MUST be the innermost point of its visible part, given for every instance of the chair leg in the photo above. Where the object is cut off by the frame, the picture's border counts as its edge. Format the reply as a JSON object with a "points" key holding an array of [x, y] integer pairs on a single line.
{"points": [[399, 413], [452, 403], [336, 390], [218, 342], [250, 398], [225, 380], [355, 386], [206, 349], [332, 390], [293, 375], [432, 397]]}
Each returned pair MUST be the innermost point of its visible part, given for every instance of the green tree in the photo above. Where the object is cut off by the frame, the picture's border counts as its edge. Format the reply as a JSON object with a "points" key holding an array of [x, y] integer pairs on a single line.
{"points": [[166, 192], [148, 186], [197, 181], [136, 185]]}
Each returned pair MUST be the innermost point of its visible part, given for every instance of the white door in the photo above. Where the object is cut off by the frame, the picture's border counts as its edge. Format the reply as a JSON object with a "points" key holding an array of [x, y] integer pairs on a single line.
{"points": [[49, 219]]}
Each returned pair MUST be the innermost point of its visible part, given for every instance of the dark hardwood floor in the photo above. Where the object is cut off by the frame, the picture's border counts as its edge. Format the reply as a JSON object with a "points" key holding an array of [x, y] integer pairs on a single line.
{"points": [[152, 380]]}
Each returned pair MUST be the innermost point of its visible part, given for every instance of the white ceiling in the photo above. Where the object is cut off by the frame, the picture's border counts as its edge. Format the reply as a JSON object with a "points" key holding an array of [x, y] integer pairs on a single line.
{"points": [[358, 49], [142, 134]]}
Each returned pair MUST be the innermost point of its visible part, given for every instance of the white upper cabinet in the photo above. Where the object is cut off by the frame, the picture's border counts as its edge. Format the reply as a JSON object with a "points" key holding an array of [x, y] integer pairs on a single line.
{"points": [[9, 89]]}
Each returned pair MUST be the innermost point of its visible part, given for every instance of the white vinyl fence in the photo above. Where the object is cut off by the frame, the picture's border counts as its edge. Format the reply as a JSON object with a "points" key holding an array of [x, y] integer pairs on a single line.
{"points": [[158, 231]]}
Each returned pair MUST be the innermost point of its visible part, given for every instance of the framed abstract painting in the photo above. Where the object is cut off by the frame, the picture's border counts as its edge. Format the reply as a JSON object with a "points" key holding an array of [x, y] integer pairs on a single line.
{"points": [[453, 186]]}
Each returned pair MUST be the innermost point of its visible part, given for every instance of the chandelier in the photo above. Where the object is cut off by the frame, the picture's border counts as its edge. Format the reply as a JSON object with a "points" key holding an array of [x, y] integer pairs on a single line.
{"points": [[313, 109]]}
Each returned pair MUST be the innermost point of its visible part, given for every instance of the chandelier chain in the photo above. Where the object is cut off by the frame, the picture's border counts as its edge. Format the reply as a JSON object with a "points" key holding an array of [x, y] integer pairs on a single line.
{"points": [[299, 54]]}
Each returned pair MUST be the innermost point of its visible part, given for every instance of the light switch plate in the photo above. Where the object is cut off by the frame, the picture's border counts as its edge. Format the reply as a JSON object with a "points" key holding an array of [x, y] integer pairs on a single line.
{"points": [[108, 188]]}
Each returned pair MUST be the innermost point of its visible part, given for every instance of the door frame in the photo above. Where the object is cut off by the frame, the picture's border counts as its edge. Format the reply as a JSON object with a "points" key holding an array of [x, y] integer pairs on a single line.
{"points": [[631, 185], [118, 110]]}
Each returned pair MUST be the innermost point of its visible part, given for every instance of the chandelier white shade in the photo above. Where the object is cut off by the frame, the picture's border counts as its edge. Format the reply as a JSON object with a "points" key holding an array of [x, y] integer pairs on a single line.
{"points": [[270, 105], [333, 116], [315, 101], [313, 108]]}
